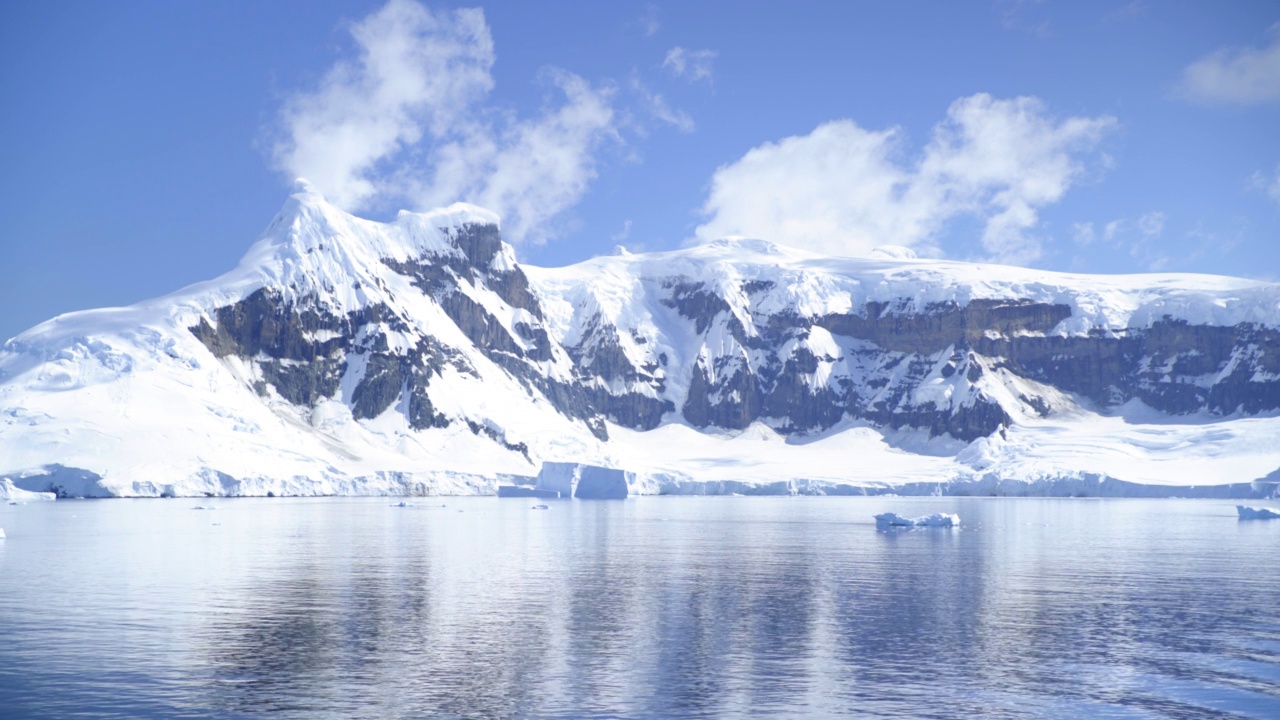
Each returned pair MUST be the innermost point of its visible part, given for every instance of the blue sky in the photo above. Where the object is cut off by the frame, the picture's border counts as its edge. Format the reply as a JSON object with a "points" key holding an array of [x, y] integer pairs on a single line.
{"points": [[145, 145]]}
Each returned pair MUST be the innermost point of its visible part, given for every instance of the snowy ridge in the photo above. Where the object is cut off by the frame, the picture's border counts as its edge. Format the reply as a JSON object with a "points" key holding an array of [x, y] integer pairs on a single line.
{"points": [[811, 284], [345, 356]]}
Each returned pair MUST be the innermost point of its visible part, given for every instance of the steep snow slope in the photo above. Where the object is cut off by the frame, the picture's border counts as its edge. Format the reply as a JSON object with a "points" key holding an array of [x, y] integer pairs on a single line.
{"points": [[417, 356], [134, 396]]}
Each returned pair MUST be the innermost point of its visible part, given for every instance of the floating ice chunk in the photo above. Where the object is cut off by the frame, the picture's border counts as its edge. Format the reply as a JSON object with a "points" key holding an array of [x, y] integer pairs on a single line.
{"points": [[1, 533], [891, 520], [202, 507], [938, 520], [885, 520], [541, 507], [1257, 513]]}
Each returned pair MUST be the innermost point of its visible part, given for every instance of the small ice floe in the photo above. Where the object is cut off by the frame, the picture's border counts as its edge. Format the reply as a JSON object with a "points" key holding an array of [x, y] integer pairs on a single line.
{"points": [[1257, 513], [894, 520], [204, 507], [1, 533], [541, 507]]}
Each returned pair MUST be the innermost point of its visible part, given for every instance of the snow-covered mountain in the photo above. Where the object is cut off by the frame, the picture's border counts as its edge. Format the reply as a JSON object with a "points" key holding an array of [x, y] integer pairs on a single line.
{"points": [[417, 356]]}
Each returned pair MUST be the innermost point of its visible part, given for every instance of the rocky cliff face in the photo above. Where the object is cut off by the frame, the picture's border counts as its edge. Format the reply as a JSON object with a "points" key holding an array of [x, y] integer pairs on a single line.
{"points": [[343, 348], [959, 369], [728, 354]]}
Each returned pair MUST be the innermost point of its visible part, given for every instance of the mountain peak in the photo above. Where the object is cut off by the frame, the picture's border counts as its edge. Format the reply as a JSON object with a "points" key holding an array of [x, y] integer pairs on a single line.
{"points": [[303, 186]]}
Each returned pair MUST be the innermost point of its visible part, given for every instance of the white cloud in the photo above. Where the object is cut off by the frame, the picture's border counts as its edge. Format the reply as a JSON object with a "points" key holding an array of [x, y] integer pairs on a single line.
{"points": [[656, 106], [1240, 76], [843, 189], [1137, 237], [693, 65], [648, 20], [1022, 16], [529, 171], [417, 72], [1268, 185], [1151, 225], [1112, 229], [406, 121], [1083, 233]]}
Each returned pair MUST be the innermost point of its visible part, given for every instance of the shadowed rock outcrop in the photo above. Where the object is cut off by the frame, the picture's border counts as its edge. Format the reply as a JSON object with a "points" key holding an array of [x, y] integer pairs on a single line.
{"points": [[937, 367]]}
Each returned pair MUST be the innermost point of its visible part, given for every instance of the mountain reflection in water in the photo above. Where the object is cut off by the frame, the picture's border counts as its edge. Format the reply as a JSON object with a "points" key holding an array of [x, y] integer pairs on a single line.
{"points": [[651, 607]]}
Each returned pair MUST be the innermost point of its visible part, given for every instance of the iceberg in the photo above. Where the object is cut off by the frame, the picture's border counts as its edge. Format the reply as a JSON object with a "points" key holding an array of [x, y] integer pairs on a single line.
{"points": [[1, 533], [888, 520], [558, 477], [587, 482], [893, 520], [601, 483], [1257, 513]]}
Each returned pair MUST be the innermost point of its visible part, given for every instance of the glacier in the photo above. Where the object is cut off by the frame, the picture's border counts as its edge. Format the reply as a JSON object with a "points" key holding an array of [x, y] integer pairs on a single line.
{"points": [[419, 357]]}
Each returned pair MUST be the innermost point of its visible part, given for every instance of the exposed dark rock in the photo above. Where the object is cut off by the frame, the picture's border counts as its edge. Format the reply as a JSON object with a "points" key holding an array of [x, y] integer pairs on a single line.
{"points": [[304, 383], [693, 301], [498, 437], [888, 350], [943, 325], [264, 323], [478, 325], [733, 402], [479, 242], [1172, 366], [380, 386], [513, 287]]}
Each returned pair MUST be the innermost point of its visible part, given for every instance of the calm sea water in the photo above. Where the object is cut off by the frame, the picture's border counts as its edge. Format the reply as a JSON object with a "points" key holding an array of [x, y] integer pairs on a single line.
{"points": [[650, 607]]}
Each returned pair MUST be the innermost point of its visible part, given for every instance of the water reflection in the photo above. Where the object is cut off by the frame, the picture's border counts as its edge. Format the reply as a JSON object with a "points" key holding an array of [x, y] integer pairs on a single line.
{"points": [[651, 608]]}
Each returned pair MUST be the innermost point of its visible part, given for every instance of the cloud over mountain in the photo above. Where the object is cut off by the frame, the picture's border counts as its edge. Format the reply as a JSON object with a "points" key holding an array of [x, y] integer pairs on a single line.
{"points": [[844, 189]]}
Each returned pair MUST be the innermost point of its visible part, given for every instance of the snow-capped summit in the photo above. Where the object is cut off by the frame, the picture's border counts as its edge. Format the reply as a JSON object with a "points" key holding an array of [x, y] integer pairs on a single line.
{"points": [[344, 355]]}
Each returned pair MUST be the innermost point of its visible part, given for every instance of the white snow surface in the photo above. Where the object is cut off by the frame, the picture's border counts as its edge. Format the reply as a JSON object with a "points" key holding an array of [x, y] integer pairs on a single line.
{"points": [[818, 284], [127, 401]]}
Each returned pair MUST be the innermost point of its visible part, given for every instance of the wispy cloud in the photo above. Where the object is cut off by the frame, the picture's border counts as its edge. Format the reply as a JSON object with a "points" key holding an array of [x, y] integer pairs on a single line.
{"points": [[692, 65], [843, 189], [656, 106], [1236, 76], [1270, 185], [621, 236], [406, 120], [1139, 237], [648, 20], [1022, 16]]}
